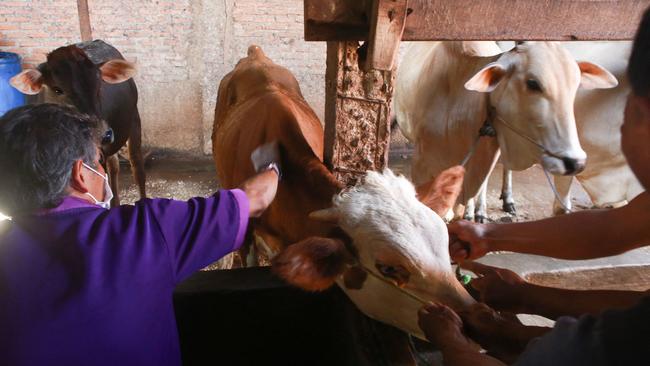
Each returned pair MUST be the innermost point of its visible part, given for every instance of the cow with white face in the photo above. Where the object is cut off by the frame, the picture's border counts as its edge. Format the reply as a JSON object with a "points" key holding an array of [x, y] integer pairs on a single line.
{"points": [[527, 94], [607, 178], [380, 235], [396, 256]]}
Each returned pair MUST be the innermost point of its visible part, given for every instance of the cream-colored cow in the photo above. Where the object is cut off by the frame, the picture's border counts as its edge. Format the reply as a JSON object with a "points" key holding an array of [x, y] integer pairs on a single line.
{"points": [[607, 178], [445, 91]]}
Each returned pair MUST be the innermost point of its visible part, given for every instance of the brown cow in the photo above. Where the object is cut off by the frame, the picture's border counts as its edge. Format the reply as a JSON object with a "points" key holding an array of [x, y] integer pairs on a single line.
{"points": [[371, 239], [260, 102]]}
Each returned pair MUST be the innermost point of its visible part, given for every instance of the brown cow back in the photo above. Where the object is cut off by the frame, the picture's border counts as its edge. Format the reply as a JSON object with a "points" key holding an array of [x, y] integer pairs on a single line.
{"points": [[260, 102]]}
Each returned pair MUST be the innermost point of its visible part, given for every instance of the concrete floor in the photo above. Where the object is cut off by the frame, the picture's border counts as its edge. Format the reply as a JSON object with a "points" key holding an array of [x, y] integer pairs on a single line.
{"points": [[183, 177]]}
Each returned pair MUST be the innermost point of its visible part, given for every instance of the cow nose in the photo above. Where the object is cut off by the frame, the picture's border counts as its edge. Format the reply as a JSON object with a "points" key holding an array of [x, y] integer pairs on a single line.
{"points": [[573, 166]]}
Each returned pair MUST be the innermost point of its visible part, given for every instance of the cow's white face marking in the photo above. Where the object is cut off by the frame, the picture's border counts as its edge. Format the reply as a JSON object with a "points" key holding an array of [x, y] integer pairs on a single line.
{"points": [[399, 238], [533, 89]]}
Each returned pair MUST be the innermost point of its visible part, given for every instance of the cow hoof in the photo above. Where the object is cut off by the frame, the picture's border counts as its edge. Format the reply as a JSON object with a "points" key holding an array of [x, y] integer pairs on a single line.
{"points": [[468, 217], [480, 219], [509, 208]]}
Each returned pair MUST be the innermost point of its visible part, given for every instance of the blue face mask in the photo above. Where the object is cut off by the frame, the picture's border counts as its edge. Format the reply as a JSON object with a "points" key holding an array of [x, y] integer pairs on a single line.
{"points": [[108, 193]]}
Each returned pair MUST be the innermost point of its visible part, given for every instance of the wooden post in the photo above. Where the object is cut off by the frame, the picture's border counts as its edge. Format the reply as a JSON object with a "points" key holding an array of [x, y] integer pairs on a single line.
{"points": [[84, 20], [357, 102], [359, 89], [386, 29]]}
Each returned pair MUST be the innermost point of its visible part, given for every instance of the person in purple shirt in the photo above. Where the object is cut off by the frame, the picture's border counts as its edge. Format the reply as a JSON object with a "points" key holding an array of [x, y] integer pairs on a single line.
{"points": [[82, 284]]}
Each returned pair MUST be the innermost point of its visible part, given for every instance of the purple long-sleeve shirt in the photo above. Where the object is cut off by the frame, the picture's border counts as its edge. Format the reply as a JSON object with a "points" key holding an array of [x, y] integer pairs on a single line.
{"points": [[81, 285]]}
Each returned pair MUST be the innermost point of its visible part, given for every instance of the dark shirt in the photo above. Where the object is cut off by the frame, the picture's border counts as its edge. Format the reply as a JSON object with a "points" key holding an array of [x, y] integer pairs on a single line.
{"points": [[616, 337]]}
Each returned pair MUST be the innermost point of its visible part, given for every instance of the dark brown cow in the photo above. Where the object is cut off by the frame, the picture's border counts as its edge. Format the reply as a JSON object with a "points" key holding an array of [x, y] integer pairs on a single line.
{"points": [[95, 78]]}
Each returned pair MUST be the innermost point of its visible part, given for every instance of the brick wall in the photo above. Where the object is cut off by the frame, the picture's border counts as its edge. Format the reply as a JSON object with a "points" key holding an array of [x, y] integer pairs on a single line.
{"points": [[182, 47]]}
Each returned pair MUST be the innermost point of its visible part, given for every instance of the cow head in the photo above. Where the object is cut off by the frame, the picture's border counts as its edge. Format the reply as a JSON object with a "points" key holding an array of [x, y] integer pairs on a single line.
{"points": [[532, 91], [390, 235], [70, 77]]}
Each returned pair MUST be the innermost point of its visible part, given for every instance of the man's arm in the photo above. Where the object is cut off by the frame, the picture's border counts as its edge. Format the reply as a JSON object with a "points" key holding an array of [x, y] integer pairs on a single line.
{"points": [[555, 302], [580, 235], [443, 328], [504, 290]]}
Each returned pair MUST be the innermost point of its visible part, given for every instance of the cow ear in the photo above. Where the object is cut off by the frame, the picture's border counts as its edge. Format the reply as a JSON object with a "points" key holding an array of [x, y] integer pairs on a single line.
{"points": [[28, 82], [595, 77], [440, 194], [117, 71], [487, 79], [312, 264]]}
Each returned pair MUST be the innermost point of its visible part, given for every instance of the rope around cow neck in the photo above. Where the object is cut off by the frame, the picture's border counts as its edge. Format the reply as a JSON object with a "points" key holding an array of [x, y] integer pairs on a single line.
{"points": [[404, 291]]}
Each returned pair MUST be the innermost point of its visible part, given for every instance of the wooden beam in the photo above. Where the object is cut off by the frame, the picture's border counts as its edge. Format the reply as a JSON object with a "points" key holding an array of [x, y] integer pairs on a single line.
{"points": [[346, 20], [386, 28], [84, 20]]}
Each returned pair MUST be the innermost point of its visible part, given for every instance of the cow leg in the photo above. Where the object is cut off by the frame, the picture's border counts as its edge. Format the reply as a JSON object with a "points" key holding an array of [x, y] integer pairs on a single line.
{"points": [[506, 193], [481, 209], [563, 187], [251, 258], [469, 210], [135, 155], [113, 166], [242, 253]]}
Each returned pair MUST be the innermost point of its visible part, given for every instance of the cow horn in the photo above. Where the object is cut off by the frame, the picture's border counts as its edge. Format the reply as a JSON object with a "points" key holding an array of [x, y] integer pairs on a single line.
{"points": [[330, 215]]}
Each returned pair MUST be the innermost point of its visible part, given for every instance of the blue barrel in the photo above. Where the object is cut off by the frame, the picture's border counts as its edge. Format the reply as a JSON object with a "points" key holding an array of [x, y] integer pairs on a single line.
{"points": [[9, 97]]}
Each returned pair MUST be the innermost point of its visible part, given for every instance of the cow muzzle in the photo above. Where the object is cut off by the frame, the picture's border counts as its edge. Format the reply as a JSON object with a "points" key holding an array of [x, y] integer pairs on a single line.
{"points": [[561, 165]]}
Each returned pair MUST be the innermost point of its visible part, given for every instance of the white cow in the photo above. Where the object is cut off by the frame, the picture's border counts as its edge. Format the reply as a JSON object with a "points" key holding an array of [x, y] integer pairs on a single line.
{"points": [[528, 91], [396, 241], [607, 178]]}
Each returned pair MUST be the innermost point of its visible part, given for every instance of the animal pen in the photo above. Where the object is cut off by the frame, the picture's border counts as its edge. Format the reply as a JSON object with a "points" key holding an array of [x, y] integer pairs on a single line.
{"points": [[363, 39]]}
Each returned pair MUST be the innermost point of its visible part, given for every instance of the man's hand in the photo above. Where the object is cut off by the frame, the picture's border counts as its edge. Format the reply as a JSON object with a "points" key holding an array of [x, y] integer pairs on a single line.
{"points": [[500, 288], [467, 240], [501, 334], [443, 327]]}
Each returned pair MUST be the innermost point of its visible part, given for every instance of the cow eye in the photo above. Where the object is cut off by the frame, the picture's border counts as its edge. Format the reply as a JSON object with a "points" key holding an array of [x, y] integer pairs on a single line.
{"points": [[386, 270], [533, 85], [57, 90], [398, 273]]}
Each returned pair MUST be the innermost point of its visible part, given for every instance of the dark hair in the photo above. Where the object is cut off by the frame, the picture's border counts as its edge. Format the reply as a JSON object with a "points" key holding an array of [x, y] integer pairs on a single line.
{"points": [[639, 68], [38, 147]]}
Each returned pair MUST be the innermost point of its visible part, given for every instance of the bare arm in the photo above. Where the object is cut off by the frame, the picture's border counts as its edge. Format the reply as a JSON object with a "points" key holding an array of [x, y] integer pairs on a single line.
{"points": [[260, 190], [504, 290], [554, 302], [580, 235], [443, 327]]}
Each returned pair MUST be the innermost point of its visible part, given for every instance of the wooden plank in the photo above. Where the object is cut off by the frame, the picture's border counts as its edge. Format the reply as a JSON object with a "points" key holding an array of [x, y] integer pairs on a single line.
{"points": [[386, 29], [345, 20], [84, 20]]}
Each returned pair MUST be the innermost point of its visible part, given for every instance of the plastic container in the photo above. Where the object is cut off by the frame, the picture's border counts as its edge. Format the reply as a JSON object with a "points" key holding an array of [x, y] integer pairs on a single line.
{"points": [[9, 97]]}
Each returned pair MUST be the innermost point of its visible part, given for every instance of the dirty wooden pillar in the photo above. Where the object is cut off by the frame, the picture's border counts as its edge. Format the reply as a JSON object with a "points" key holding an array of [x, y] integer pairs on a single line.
{"points": [[84, 20], [359, 90]]}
